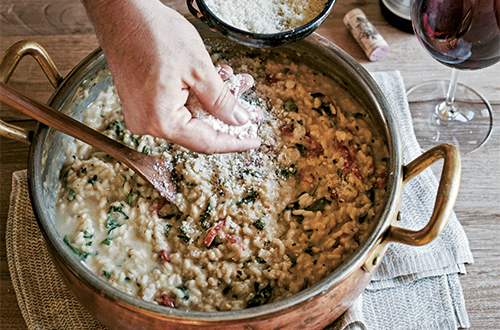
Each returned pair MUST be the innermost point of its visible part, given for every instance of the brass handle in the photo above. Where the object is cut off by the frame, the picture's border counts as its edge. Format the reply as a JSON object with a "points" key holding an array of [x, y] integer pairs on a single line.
{"points": [[445, 200], [8, 64]]}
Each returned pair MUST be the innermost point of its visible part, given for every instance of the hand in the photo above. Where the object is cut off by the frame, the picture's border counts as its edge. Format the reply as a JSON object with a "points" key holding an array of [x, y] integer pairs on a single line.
{"points": [[156, 56]]}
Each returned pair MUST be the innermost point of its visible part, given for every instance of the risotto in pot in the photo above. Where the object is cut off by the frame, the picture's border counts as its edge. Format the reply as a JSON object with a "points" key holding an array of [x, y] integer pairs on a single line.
{"points": [[249, 228]]}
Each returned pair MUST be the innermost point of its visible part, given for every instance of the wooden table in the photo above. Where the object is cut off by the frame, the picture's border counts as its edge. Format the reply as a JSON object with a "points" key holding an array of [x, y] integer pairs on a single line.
{"points": [[62, 27]]}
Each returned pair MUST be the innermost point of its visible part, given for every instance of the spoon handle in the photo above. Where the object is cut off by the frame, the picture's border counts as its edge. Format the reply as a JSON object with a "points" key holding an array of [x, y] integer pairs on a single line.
{"points": [[62, 122], [152, 169]]}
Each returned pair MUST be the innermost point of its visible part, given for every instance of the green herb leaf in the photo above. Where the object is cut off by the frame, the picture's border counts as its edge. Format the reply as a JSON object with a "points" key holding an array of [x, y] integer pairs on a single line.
{"points": [[130, 197], [301, 149], [107, 241], [112, 224], [252, 173], [145, 150], [185, 291], [260, 260], [71, 195], [80, 254], [315, 95], [117, 126], [325, 107], [306, 282], [71, 246], [86, 234], [106, 274], [293, 206], [299, 218], [259, 224], [250, 198], [318, 205], [316, 188], [205, 224], [184, 238], [118, 209], [261, 298], [167, 230], [93, 179], [290, 106], [309, 250], [286, 172]]}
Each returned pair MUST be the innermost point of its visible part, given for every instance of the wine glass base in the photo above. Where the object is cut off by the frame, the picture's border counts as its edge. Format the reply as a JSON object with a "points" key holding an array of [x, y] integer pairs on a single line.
{"points": [[468, 129]]}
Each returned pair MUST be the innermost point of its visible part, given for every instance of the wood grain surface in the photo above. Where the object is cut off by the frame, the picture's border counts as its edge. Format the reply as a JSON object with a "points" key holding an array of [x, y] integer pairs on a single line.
{"points": [[63, 29]]}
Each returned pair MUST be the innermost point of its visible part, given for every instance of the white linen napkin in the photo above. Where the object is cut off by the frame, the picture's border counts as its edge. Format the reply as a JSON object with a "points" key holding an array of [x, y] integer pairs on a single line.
{"points": [[414, 288]]}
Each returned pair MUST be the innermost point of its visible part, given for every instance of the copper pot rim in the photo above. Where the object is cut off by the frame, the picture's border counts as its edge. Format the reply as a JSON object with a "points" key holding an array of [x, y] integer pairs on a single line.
{"points": [[354, 262]]}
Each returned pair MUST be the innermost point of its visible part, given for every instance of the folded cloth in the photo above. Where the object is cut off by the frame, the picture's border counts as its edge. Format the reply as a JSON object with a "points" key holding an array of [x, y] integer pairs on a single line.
{"points": [[414, 288], [44, 300]]}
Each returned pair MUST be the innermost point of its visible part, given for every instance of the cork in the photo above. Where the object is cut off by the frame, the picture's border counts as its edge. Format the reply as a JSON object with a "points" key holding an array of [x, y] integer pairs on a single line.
{"points": [[366, 35]]}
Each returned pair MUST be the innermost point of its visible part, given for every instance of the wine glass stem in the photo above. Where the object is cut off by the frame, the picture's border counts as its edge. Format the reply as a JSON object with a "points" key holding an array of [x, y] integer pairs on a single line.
{"points": [[446, 110]]}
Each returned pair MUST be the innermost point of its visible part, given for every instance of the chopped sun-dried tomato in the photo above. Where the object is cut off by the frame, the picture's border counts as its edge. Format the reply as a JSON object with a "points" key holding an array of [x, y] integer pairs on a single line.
{"points": [[381, 180], [166, 300], [310, 179], [349, 156], [271, 79], [157, 205], [352, 153], [313, 147], [288, 130], [212, 232], [341, 148], [335, 194], [356, 172], [164, 256], [236, 240]]}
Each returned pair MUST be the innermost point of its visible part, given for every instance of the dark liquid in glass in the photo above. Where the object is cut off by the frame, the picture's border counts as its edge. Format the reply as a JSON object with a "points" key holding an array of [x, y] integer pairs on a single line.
{"points": [[463, 34]]}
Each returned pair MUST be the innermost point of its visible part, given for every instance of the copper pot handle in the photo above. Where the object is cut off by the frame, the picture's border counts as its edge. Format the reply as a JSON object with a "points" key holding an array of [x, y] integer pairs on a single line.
{"points": [[445, 200], [8, 64]]}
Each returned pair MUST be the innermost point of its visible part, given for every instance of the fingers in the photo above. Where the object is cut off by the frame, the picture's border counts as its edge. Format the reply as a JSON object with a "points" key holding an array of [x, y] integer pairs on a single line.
{"points": [[201, 137], [224, 71], [239, 84], [217, 98]]}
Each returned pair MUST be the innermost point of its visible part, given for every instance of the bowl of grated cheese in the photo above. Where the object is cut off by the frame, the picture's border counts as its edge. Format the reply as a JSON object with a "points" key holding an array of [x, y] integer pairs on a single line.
{"points": [[262, 23]]}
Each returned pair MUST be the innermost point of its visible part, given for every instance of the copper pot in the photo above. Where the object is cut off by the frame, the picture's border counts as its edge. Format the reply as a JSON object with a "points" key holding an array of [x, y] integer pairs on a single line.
{"points": [[312, 308]]}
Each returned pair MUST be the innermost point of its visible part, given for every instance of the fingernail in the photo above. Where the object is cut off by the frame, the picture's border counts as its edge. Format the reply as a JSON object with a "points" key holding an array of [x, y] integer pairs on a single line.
{"points": [[240, 114]]}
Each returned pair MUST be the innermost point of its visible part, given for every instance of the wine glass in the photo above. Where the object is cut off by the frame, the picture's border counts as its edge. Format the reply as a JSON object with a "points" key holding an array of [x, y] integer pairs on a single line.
{"points": [[464, 35]]}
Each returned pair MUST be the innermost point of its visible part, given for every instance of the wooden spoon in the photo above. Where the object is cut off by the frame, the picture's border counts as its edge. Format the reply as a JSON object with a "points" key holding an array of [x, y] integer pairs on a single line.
{"points": [[156, 171]]}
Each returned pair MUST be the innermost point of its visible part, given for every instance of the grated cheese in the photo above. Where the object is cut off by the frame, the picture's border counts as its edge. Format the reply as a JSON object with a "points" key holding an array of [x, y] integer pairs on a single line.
{"points": [[266, 16]]}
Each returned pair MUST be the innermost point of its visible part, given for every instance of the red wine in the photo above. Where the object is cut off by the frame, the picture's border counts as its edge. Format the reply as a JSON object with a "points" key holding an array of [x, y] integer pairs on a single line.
{"points": [[462, 34]]}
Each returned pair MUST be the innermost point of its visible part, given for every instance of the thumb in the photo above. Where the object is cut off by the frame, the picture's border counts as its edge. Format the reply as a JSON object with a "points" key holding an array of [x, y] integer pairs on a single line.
{"points": [[217, 99]]}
